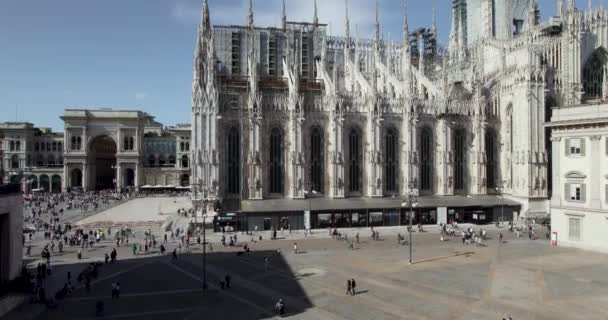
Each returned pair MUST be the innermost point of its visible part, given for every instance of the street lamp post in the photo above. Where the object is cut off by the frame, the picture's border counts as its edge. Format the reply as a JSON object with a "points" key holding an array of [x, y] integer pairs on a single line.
{"points": [[411, 203], [204, 245]]}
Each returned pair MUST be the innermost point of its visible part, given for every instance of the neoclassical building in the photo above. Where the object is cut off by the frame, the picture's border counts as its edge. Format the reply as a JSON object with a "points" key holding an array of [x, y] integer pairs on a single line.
{"points": [[99, 149], [291, 123]]}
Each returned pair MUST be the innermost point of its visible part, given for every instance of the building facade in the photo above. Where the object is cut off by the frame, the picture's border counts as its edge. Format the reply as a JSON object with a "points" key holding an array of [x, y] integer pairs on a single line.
{"points": [[11, 232], [99, 149], [579, 202], [279, 114]]}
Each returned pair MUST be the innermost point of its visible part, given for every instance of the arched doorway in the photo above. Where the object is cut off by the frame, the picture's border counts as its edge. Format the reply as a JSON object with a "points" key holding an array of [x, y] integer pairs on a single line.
{"points": [[102, 156], [76, 178], [14, 179], [56, 183], [129, 177], [184, 180], [45, 182]]}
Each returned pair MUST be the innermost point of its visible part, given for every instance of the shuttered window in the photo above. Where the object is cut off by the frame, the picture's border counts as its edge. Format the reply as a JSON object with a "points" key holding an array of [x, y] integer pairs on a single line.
{"points": [[575, 146]]}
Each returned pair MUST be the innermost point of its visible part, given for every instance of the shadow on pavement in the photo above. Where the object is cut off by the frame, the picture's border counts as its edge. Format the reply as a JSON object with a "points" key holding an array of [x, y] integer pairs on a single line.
{"points": [[160, 287]]}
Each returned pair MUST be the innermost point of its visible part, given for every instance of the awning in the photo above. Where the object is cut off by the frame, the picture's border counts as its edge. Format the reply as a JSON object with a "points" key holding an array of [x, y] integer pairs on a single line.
{"points": [[319, 204]]}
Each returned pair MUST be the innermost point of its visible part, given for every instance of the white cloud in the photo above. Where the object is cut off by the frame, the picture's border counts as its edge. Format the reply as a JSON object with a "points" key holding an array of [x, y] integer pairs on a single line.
{"points": [[139, 96]]}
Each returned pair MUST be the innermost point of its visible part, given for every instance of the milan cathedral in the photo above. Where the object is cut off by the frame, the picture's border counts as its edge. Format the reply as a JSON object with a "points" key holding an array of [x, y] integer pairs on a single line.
{"points": [[292, 112]]}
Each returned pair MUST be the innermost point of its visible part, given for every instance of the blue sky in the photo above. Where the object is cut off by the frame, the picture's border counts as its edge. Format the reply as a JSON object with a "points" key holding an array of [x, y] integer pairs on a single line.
{"points": [[137, 54]]}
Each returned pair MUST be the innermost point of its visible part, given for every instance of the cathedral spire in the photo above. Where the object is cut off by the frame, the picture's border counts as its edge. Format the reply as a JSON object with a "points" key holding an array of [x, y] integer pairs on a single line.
{"points": [[434, 24], [377, 29], [560, 8], [315, 19], [532, 21], [347, 26], [250, 16], [571, 6], [284, 18], [406, 32], [205, 26]]}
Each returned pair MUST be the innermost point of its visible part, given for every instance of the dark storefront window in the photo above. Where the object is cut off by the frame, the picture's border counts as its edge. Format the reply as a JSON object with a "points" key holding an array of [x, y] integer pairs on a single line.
{"points": [[359, 219], [341, 220], [391, 218], [375, 219], [323, 220]]}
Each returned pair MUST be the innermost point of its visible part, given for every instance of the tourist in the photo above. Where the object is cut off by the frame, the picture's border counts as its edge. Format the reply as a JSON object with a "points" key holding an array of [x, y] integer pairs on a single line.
{"points": [[174, 257], [349, 287], [113, 290], [266, 263], [227, 279], [295, 248], [117, 290], [280, 306], [113, 255], [354, 285], [106, 258], [500, 238]]}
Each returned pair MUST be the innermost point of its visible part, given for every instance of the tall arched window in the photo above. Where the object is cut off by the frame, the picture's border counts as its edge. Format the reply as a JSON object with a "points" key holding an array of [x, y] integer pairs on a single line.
{"points": [[18, 146], [37, 146], [594, 74], [59, 146], [391, 163], [460, 154], [354, 160], [234, 152], [172, 160], [79, 143], [181, 146], [14, 162], [185, 162], [72, 146], [426, 159], [12, 144], [491, 159], [54, 146], [316, 159], [276, 161]]}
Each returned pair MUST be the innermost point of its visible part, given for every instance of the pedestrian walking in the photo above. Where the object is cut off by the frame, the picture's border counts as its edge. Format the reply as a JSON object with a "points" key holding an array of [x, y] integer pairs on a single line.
{"points": [[295, 248], [113, 290], [500, 238], [117, 290], [174, 257], [354, 286], [227, 279], [349, 287], [280, 307], [106, 258], [266, 263]]}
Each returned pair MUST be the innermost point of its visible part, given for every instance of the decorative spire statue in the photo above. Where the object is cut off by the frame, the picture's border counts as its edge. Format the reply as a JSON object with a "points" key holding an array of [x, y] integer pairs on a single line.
{"points": [[250, 16], [284, 18], [315, 19], [377, 29], [347, 26]]}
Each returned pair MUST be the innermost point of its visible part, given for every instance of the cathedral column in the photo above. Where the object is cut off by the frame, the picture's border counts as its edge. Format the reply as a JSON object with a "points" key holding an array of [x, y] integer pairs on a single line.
{"points": [[295, 170], [444, 156], [373, 135], [254, 158], [409, 136], [336, 128], [478, 157]]}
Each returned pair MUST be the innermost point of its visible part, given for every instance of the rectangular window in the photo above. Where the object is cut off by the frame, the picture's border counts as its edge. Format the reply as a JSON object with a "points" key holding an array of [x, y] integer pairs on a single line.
{"points": [[575, 146], [575, 192], [574, 229]]}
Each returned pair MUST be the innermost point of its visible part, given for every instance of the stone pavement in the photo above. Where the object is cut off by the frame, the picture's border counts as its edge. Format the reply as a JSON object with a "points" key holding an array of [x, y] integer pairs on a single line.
{"points": [[527, 279]]}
